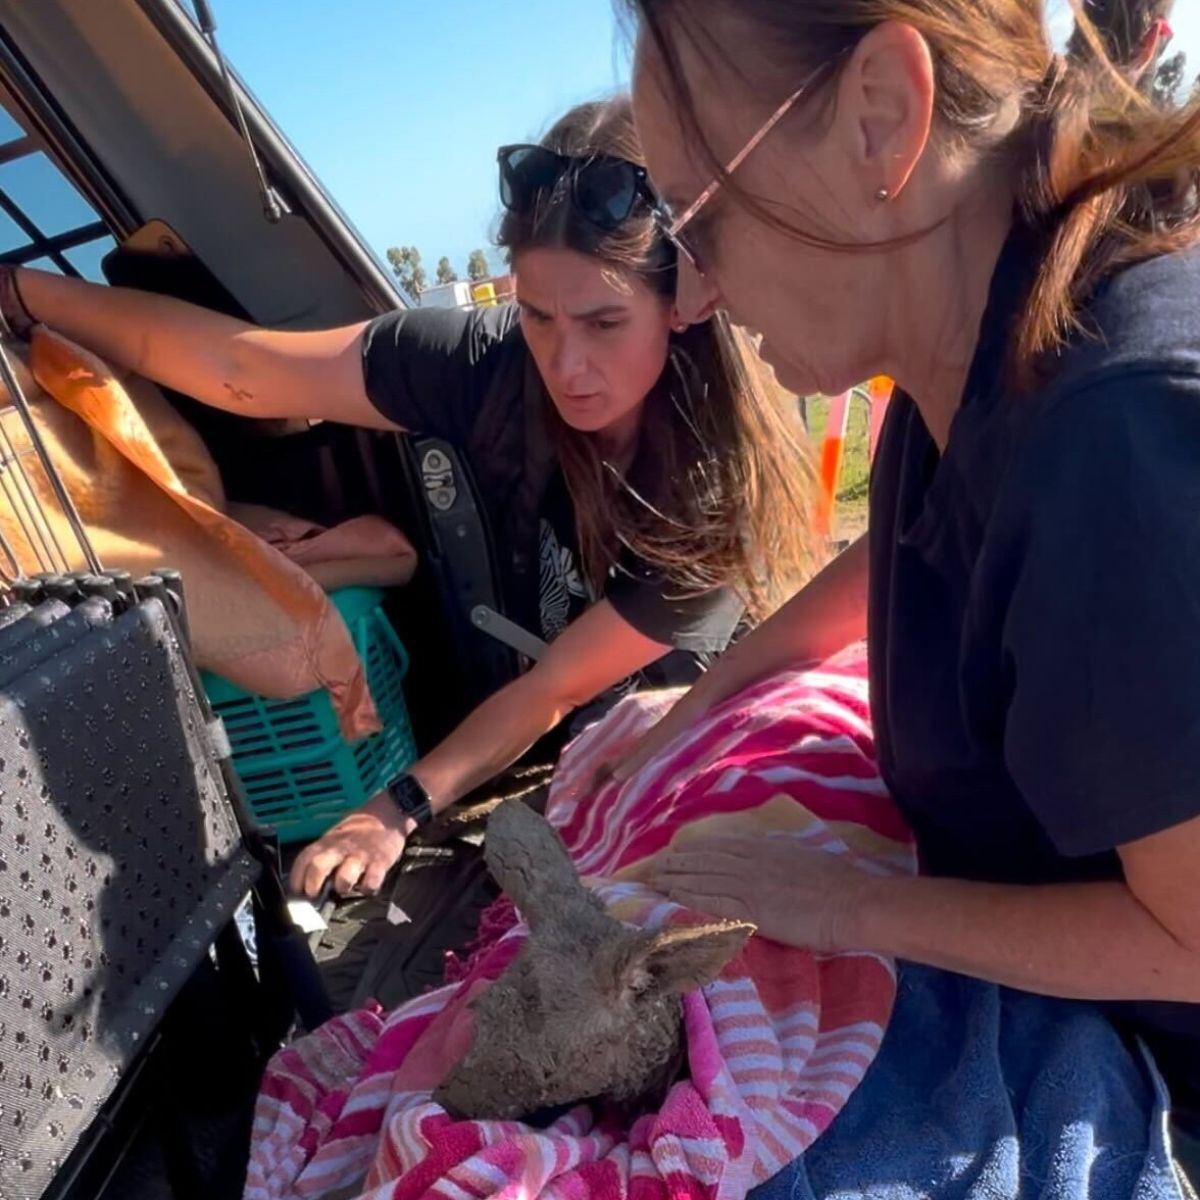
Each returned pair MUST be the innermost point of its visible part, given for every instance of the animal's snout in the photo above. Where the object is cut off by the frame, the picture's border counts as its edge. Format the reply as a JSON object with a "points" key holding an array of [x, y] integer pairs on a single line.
{"points": [[444, 1096], [540, 1118], [453, 1113]]}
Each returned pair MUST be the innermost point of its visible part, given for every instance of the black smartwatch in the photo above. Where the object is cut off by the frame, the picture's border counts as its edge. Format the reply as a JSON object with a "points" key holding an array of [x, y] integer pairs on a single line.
{"points": [[412, 799]]}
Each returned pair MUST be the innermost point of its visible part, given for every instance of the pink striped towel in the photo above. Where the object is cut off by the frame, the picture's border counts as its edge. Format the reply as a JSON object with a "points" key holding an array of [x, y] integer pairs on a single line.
{"points": [[775, 1046]]}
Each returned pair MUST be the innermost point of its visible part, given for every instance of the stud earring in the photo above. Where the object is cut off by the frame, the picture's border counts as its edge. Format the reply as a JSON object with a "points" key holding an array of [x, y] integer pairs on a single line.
{"points": [[883, 195]]}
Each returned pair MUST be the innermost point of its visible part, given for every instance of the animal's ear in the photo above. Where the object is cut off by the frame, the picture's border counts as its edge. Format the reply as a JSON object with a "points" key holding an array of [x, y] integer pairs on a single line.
{"points": [[680, 958], [528, 860]]}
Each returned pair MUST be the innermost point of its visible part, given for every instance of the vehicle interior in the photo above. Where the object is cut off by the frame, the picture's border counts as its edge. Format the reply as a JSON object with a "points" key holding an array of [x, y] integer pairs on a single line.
{"points": [[124, 160]]}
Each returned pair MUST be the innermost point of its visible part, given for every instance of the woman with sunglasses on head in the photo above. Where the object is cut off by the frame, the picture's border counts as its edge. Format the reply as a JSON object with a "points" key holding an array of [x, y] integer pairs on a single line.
{"points": [[924, 189], [633, 459]]}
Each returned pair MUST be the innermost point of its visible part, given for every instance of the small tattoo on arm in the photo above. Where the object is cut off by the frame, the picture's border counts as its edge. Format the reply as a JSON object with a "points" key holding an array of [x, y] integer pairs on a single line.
{"points": [[239, 394]]}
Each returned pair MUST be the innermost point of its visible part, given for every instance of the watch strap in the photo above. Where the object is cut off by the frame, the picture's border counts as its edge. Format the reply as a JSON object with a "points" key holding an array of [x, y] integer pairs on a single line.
{"points": [[411, 798]]}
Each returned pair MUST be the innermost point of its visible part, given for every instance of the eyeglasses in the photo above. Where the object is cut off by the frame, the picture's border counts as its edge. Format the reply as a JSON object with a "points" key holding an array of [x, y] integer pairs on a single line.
{"points": [[605, 190], [672, 227]]}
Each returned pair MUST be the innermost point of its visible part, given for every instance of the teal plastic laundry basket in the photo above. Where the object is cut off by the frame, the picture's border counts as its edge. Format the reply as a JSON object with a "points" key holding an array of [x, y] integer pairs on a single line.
{"points": [[299, 774]]}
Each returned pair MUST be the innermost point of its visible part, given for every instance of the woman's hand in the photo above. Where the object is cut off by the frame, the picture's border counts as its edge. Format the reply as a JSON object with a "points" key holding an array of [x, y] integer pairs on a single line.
{"points": [[358, 851], [801, 897], [1080, 941]]}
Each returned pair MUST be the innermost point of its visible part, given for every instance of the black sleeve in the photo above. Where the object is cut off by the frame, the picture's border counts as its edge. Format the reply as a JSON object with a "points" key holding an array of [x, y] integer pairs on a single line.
{"points": [[702, 624], [1102, 632], [427, 369]]}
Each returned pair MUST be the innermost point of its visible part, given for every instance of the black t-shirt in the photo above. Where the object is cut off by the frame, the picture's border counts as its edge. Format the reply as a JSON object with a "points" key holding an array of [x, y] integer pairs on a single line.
{"points": [[467, 377], [1035, 606]]}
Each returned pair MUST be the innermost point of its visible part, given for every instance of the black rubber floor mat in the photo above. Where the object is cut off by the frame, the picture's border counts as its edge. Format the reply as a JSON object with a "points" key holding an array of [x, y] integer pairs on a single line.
{"points": [[442, 886], [443, 899], [392, 947]]}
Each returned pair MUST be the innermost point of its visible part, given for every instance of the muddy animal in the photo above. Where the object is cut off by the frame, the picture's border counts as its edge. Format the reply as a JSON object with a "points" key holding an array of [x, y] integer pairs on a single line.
{"points": [[590, 1009]]}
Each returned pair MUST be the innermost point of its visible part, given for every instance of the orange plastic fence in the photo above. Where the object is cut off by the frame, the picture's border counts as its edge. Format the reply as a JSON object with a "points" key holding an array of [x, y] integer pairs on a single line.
{"points": [[833, 447], [833, 450], [879, 392]]}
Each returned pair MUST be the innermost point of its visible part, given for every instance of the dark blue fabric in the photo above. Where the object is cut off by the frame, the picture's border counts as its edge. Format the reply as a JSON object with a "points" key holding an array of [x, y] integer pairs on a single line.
{"points": [[983, 1093], [1035, 605]]}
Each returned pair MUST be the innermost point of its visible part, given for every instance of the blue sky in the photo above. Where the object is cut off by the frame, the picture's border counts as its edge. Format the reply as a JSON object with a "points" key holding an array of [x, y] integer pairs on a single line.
{"points": [[399, 105]]}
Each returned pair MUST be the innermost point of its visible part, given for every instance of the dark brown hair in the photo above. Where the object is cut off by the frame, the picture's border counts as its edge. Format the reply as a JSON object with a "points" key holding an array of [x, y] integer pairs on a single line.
{"points": [[731, 491], [1108, 178], [1122, 27]]}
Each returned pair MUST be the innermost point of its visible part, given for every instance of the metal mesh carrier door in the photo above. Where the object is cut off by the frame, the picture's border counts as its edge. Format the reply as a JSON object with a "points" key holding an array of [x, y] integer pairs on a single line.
{"points": [[120, 859]]}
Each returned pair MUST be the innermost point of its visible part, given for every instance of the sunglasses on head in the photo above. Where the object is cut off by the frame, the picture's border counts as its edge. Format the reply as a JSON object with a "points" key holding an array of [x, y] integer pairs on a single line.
{"points": [[605, 190]]}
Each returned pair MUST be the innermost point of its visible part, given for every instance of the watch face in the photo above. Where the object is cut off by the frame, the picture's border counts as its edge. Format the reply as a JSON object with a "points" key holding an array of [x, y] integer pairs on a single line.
{"points": [[411, 798]]}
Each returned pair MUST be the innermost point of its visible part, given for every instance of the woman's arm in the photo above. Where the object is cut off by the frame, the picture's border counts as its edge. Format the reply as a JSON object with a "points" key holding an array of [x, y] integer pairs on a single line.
{"points": [[593, 653], [219, 360], [826, 615], [1136, 940], [1132, 940]]}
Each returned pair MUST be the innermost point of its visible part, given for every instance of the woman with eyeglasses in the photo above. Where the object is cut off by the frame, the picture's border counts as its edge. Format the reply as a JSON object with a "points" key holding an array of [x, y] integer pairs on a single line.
{"points": [[636, 476], [924, 189]]}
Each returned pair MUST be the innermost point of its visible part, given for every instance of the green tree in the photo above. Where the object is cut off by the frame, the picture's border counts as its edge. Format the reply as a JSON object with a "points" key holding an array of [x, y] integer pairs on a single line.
{"points": [[477, 266], [445, 272], [1168, 80], [405, 262]]}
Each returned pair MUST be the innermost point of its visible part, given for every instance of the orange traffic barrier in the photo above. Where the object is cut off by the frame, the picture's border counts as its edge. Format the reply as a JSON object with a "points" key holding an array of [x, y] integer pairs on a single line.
{"points": [[879, 392], [833, 448]]}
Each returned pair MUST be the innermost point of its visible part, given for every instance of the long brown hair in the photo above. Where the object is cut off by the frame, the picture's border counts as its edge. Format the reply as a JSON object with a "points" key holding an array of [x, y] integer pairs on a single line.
{"points": [[1107, 177], [729, 501]]}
